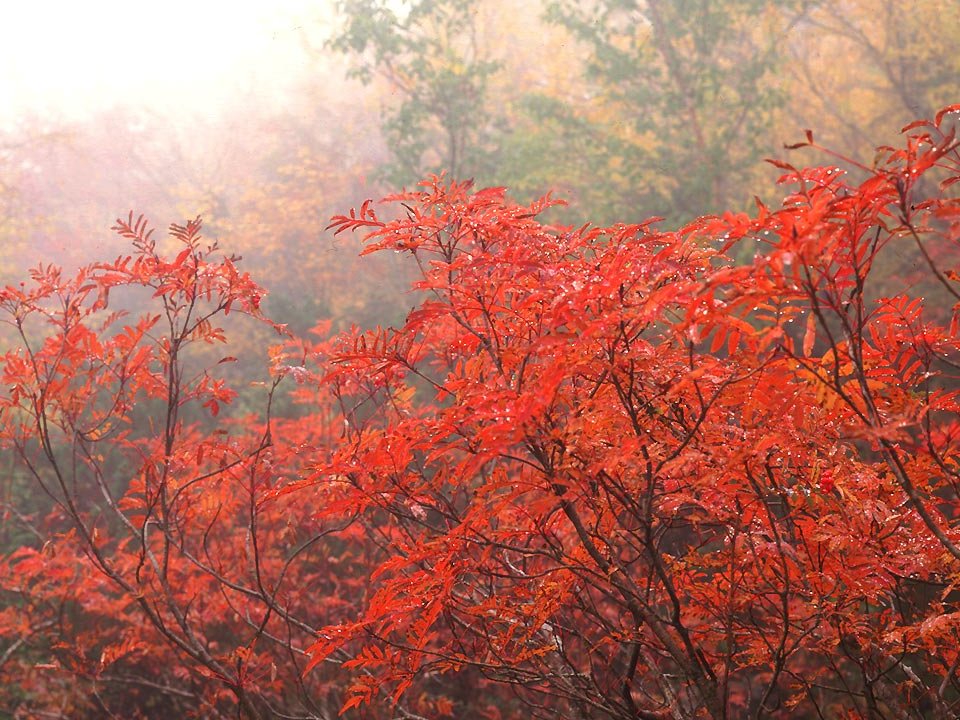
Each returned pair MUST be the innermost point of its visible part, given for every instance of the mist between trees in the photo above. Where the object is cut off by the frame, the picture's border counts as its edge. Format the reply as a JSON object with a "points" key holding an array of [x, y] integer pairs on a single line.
{"points": [[458, 453]]}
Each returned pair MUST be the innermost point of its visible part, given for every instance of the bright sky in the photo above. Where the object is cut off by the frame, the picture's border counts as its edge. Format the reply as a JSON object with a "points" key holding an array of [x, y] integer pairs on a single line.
{"points": [[70, 58]]}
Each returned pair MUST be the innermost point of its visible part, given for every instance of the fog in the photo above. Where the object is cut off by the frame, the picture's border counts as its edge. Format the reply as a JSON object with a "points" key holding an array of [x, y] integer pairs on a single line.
{"points": [[174, 110], [268, 118], [180, 60]]}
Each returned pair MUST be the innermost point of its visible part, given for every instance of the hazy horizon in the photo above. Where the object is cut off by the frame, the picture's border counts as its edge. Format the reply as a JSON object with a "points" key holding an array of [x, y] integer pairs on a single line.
{"points": [[184, 59]]}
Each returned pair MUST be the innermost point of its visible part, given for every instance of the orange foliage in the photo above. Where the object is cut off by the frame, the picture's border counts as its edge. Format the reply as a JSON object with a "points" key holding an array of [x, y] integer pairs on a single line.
{"points": [[602, 472]]}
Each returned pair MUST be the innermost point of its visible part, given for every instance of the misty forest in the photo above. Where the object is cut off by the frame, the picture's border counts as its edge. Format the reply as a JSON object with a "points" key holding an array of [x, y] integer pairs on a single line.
{"points": [[494, 359]]}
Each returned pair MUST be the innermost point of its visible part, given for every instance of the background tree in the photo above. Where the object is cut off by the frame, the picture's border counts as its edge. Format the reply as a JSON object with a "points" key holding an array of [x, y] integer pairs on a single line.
{"points": [[692, 91], [859, 70], [661, 108], [430, 55]]}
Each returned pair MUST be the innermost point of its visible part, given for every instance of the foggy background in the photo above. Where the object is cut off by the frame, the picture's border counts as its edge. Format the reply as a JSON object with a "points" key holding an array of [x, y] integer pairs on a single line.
{"points": [[266, 118]]}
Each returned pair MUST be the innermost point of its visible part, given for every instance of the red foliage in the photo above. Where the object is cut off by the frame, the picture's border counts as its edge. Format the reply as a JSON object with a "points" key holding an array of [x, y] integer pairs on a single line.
{"points": [[166, 577], [611, 471], [635, 479]]}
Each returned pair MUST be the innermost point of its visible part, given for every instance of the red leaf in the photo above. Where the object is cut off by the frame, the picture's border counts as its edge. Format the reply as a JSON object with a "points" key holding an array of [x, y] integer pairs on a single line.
{"points": [[938, 120]]}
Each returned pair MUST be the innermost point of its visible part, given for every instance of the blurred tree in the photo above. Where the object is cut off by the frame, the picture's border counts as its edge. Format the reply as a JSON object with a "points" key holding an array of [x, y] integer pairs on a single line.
{"points": [[629, 109], [430, 56], [25, 152], [858, 70], [271, 198], [689, 92]]}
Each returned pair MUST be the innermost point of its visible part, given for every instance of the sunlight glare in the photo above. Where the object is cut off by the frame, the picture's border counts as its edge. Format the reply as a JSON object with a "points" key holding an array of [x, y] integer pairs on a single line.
{"points": [[70, 59]]}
